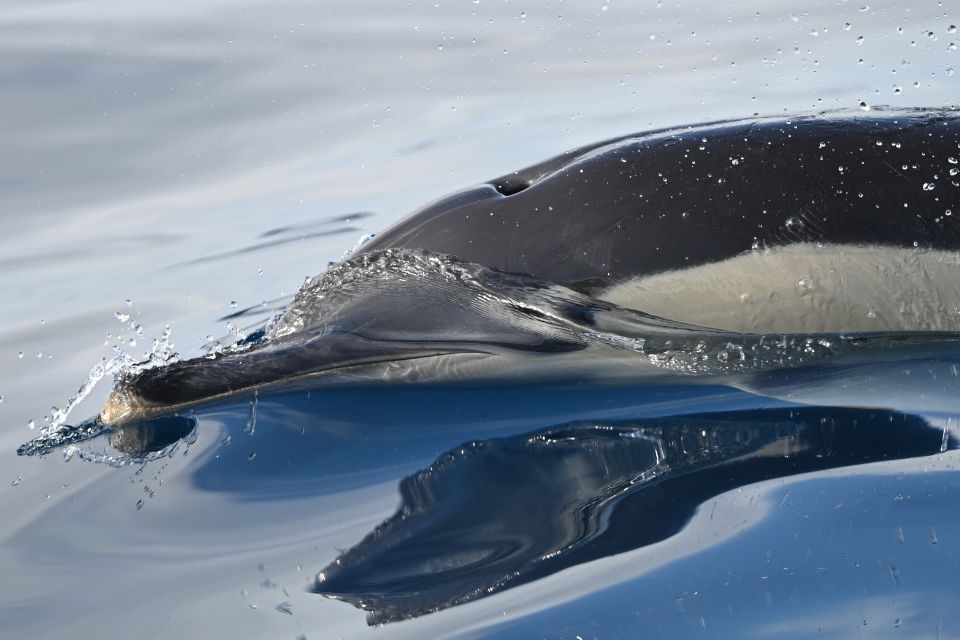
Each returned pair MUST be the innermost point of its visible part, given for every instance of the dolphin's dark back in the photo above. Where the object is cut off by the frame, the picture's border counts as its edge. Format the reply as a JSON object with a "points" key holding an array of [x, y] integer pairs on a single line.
{"points": [[684, 197]]}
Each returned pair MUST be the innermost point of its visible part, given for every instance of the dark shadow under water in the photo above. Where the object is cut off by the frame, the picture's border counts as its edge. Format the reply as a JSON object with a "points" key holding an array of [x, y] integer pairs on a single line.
{"points": [[494, 514]]}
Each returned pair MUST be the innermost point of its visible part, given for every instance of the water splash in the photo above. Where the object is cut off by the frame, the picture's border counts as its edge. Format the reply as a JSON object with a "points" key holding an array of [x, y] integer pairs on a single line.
{"points": [[121, 364]]}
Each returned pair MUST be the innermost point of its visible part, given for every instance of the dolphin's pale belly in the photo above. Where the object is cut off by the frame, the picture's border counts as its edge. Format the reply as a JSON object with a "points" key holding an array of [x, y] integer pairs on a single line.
{"points": [[807, 288]]}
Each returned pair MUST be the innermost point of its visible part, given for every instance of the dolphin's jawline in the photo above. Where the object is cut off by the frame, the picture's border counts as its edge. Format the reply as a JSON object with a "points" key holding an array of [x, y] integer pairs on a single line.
{"points": [[122, 408]]}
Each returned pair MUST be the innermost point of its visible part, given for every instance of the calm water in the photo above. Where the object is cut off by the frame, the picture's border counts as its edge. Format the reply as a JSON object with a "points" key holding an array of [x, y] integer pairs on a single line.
{"points": [[198, 159]]}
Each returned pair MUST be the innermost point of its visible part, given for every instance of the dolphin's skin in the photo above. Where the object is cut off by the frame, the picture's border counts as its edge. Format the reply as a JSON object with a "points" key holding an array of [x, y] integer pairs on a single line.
{"points": [[679, 198], [597, 219]]}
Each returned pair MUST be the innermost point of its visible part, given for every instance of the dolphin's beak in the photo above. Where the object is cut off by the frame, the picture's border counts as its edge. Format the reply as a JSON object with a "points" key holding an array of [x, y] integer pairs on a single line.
{"points": [[156, 392]]}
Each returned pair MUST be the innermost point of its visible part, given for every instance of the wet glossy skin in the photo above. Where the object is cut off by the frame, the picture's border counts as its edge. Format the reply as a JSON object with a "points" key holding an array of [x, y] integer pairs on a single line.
{"points": [[587, 219], [653, 202]]}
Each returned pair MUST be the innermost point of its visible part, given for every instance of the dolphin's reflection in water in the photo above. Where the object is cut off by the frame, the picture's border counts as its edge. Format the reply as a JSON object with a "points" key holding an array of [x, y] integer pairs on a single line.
{"points": [[493, 514]]}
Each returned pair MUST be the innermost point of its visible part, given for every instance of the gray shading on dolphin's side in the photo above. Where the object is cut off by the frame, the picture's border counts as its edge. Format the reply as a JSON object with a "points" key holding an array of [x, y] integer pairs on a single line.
{"points": [[712, 249]]}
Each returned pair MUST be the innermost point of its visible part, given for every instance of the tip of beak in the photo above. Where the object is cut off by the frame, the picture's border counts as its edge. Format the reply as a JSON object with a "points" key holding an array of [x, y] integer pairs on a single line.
{"points": [[118, 409]]}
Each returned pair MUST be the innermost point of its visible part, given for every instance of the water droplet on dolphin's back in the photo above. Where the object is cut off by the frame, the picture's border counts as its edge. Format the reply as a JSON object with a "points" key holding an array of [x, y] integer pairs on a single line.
{"points": [[794, 223]]}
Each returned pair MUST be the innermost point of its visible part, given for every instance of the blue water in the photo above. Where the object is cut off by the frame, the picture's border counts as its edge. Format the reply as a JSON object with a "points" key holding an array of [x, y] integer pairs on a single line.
{"points": [[200, 159]]}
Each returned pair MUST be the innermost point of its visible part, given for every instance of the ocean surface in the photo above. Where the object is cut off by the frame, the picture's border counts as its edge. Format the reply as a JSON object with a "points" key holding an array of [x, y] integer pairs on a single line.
{"points": [[171, 175]]}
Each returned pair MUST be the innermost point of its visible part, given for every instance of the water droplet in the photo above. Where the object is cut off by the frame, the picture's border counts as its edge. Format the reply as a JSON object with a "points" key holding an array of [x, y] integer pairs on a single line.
{"points": [[122, 317], [897, 89], [793, 223], [847, 26], [252, 456], [864, 106], [806, 285], [285, 607], [20, 355], [952, 28], [31, 424], [929, 186], [948, 212], [16, 482], [933, 535], [860, 40], [139, 504]]}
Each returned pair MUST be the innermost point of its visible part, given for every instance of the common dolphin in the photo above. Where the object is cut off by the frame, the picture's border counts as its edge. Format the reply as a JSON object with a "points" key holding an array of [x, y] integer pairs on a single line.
{"points": [[831, 223]]}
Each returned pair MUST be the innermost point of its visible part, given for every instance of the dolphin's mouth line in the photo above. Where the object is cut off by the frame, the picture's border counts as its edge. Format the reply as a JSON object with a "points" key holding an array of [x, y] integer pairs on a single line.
{"points": [[123, 407]]}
